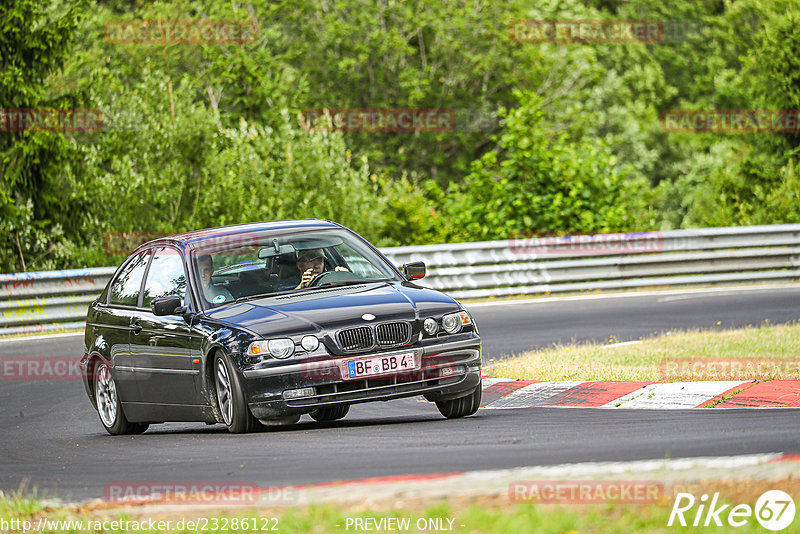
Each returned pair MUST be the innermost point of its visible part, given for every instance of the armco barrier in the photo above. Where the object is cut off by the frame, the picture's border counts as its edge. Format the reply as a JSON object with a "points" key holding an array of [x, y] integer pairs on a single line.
{"points": [[55, 300], [48, 300]]}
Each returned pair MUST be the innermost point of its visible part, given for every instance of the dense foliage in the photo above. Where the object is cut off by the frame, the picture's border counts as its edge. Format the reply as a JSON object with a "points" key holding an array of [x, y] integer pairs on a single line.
{"points": [[548, 137]]}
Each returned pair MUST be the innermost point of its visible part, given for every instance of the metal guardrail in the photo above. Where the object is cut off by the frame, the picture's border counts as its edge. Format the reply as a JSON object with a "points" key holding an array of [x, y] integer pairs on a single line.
{"points": [[54, 300], [49, 300], [610, 261]]}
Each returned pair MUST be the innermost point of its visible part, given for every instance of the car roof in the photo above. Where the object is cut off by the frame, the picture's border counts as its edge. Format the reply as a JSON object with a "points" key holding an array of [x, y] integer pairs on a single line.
{"points": [[197, 236]]}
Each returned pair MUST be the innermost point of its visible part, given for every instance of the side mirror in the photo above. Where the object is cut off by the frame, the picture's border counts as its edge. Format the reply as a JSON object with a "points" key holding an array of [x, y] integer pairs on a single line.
{"points": [[167, 305], [414, 270]]}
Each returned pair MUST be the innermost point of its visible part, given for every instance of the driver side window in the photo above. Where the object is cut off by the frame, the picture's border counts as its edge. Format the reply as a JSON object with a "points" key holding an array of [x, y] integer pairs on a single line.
{"points": [[165, 278]]}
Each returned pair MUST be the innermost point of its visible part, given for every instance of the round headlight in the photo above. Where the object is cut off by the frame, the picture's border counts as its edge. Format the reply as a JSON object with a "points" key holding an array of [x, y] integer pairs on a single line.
{"points": [[451, 323], [280, 348], [430, 326], [309, 343]]}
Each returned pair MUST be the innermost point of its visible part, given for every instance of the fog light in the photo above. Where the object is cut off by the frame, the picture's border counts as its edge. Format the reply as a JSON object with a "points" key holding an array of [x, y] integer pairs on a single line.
{"points": [[430, 326], [298, 393], [452, 371]]}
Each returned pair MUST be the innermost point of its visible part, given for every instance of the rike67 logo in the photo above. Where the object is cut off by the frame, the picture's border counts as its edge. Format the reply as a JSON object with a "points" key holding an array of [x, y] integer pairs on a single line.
{"points": [[774, 510]]}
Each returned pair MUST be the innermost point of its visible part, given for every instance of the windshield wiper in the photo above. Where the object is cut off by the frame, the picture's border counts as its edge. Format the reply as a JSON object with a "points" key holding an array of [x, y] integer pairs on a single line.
{"points": [[341, 283], [350, 282], [262, 295]]}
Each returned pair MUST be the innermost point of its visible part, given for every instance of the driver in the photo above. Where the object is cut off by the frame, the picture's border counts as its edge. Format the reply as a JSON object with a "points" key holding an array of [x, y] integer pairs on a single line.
{"points": [[212, 292], [311, 263]]}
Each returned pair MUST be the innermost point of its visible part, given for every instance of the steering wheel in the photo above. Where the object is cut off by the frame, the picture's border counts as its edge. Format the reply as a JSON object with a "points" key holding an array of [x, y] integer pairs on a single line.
{"points": [[332, 276]]}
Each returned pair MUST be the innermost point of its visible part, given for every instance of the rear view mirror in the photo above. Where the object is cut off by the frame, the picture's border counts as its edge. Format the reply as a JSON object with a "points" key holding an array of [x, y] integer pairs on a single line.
{"points": [[414, 270], [269, 252]]}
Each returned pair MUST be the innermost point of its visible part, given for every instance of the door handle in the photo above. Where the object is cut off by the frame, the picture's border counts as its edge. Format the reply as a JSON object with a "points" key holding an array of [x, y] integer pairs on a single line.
{"points": [[136, 327]]}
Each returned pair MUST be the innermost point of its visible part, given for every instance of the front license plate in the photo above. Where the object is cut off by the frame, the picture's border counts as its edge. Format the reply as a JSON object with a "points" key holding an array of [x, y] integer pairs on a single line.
{"points": [[380, 365]]}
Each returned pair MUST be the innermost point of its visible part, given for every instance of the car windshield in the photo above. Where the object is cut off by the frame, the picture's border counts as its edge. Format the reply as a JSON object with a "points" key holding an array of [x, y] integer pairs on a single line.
{"points": [[243, 266]]}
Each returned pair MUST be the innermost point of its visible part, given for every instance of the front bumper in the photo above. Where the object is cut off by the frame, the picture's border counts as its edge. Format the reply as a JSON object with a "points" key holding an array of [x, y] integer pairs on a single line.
{"points": [[448, 370]]}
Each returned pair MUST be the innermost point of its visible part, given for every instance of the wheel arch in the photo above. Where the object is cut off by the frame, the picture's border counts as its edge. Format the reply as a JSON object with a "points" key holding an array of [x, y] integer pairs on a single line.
{"points": [[91, 371]]}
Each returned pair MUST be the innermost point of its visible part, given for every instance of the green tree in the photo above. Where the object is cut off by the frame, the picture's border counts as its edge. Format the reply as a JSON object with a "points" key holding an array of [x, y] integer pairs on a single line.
{"points": [[742, 179], [411, 54], [539, 181], [154, 176], [41, 194]]}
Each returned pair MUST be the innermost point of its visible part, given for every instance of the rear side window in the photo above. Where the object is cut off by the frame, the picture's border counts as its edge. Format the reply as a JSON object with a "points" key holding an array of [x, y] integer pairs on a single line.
{"points": [[125, 289], [165, 277]]}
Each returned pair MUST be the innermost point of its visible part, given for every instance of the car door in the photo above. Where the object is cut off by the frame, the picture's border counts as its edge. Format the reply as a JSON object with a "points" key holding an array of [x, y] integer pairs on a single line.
{"points": [[166, 352], [113, 322]]}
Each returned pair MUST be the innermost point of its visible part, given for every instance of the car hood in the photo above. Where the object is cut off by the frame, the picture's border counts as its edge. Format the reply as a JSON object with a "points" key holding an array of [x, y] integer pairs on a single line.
{"points": [[334, 308]]}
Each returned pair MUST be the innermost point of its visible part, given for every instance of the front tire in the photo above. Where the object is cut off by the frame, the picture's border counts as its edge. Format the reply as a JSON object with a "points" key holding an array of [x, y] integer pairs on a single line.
{"points": [[462, 406], [331, 413], [109, 407], [230, 398]]}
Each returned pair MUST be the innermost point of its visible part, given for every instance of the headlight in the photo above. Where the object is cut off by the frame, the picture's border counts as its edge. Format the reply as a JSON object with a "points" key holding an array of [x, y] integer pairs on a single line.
{"points": [[453, 322], [281, 348], [309, 343], [277, 348], [430, 326]]}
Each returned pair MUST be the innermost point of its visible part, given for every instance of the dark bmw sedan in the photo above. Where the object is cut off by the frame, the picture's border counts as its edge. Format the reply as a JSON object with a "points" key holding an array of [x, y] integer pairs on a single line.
{"points": [[261, 323]]}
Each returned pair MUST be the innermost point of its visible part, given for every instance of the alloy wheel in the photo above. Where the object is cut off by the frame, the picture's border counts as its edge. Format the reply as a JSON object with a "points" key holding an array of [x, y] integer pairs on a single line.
{"points": [[224, 391], [106, 396]]}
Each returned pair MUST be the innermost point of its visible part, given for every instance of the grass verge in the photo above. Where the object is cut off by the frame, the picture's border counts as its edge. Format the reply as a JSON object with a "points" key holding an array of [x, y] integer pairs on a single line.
{"points": [[645, 359]]}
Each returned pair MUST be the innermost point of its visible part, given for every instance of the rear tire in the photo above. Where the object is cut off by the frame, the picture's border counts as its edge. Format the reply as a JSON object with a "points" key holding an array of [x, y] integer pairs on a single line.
{"points": [[109, 407], [331, 413], [230, 397], [462, 406]]}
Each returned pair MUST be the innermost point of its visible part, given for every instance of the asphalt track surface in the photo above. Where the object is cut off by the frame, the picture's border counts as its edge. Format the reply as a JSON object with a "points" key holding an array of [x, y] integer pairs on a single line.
{"points": [[53, 438]]}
